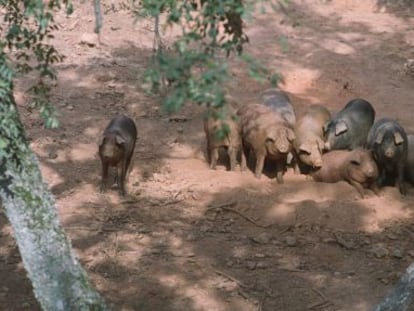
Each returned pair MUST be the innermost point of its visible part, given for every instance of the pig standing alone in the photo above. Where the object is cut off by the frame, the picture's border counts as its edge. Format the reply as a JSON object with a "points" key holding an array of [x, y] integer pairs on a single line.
{"points": [[310, 141], [388, 142], [357, 167], [268, 135], [116, 147], [349, 128], [222, 130]]}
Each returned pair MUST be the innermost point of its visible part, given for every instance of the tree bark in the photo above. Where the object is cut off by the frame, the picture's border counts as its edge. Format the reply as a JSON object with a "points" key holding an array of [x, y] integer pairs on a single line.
{"points": [[400, 298], [58, 280]]}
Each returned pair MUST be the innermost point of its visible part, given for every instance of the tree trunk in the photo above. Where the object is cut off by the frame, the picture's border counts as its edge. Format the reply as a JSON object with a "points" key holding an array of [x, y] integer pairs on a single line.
{"points": [[401, 296], [58, 280]]}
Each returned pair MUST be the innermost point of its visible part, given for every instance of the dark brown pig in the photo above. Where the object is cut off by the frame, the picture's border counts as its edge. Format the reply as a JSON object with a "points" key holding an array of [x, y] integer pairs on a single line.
{"points": [[357, 167], [222, 130], [349, 128], [268, 135], [388, 141], [310, 143], [116, 146]]}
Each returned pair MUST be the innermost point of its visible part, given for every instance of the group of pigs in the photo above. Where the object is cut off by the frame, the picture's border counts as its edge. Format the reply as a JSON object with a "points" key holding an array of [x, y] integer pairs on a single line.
{"points": [[348, 146]]}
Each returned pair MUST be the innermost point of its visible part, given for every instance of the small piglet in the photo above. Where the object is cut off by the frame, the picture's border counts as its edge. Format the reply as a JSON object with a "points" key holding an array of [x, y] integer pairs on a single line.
{"points": [[349, 128], [310, 141], [388, 142], [222, 130], [357, 167], [409, 164], [116, 147], [279, 101], [268, 135]]}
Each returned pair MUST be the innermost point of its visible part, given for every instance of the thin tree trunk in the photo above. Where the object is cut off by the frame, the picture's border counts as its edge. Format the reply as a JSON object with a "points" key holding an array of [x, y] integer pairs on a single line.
{"points": [[58, 280]]}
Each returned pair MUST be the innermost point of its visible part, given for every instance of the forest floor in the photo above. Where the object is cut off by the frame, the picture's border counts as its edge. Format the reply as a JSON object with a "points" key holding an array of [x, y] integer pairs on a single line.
{"points": [[190, 238]]}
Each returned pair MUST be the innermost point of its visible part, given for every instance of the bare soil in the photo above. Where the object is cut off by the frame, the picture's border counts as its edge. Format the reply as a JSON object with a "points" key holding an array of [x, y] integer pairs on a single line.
{"points": [[190, 238]]}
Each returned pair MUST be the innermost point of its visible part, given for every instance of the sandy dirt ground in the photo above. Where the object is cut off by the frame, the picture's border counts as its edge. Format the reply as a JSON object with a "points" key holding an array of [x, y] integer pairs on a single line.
{"points": [[190, 238]]}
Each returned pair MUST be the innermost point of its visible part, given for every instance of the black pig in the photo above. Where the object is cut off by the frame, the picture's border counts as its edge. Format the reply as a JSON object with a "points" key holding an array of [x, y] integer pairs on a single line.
{"points": [[116, 146], [349, 128], [388, 142]]}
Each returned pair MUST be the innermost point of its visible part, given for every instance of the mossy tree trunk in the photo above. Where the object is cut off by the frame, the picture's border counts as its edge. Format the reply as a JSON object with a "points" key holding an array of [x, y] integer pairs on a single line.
{"points": [[58, 280], [401, 297]]}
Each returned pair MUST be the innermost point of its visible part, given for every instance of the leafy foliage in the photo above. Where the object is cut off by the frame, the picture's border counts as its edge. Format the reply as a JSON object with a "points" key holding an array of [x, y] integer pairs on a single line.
{"points": [[196, 66], [24, 31]]}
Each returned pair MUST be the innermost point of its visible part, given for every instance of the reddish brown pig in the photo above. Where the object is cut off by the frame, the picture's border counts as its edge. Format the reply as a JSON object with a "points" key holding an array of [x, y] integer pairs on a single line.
{"points": [[309, 143], [357, 167], [268, 135], [222, 130]]}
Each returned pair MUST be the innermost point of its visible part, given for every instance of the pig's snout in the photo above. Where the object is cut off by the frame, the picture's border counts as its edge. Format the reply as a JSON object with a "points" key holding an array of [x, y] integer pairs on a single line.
{"points": [[317, 163], [283, 147], [389, 153]]}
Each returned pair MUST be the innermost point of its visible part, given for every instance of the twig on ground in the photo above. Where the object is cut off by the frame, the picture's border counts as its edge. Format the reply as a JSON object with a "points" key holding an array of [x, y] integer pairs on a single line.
{"points": [[319, 304], [227, 207], [230, 278]]}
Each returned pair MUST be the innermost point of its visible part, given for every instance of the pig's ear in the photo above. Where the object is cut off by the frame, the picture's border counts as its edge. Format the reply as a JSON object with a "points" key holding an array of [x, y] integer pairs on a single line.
{"points": [[290, 135], [325, 127], [101, 140], [119, 140], [305, 148], [340, 128], [379, 137], [321, 144], [398, 139]]}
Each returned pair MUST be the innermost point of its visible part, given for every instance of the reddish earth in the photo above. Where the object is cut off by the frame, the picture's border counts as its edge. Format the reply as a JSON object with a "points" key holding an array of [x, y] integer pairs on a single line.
{"points": [[190, 238]]}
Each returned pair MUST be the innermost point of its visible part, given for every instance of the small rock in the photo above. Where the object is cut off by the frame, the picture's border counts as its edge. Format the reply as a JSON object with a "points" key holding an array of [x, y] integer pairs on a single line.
{"points": [[397, 253], [259, 255], [229, 263], [262, 265], [89, 39], [26, 304], [337, 273], [392, 236], [251, 265], [291, 241], [205, 229], [52, 155], [328, 240], [180, 130], [262, 238], [69, 107], [411, 253], [384, 281], [379, 251], [191, 237]]}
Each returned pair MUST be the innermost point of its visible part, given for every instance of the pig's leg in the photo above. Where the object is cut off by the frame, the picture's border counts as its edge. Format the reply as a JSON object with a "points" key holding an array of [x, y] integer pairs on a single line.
{"points": [[214, 154], [122, 168], [104, 175], [232, 152], [400, 180], [358, 187], [259, 165], [279, 171]]}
